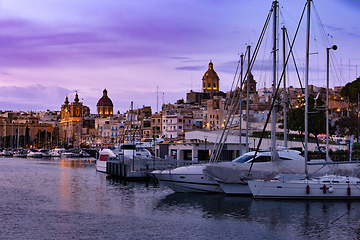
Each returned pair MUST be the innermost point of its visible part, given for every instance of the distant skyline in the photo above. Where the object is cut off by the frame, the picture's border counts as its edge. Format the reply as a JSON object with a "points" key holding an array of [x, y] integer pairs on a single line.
{"points": [[50, 49]]}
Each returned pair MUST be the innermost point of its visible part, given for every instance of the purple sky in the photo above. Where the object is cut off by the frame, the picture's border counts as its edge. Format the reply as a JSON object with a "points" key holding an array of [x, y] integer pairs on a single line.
{"points": [[50, 49]]}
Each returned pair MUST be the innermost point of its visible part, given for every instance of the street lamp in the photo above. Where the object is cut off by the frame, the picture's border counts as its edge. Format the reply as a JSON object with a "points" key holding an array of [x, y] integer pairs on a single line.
{"points": [[334, 47], [206, 154]]}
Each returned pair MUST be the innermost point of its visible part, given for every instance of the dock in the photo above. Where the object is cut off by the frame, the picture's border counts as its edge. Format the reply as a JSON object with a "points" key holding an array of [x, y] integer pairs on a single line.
{"points": [[139, 168]]}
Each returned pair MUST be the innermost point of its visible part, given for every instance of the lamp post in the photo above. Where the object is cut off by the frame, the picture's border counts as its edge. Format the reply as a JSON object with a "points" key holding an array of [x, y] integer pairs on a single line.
{"points": [[206, 153], [334, 47]]}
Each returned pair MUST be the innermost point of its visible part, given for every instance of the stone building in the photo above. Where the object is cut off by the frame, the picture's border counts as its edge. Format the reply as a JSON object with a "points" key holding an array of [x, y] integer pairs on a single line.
{"points": [[71, 121]]}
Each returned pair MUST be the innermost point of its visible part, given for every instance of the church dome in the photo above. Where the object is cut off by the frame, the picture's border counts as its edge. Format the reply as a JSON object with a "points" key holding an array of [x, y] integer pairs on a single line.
{"points": [[104, 101], [210, 73]]}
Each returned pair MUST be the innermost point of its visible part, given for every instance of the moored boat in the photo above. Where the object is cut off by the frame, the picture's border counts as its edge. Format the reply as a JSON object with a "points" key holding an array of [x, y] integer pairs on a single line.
{"points": [[323, 187], [104, 154]]}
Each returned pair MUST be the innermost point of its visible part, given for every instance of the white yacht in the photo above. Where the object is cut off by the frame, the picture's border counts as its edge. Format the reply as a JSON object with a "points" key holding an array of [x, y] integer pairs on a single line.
{"points": [[187, 179], [228, 177], [324, 187], [233, 176], [56, 152], [127, 150], [34, 153], [104, 154]]}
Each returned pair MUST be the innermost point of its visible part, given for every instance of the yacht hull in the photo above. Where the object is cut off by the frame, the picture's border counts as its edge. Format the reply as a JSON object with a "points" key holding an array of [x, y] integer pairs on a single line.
{"points": [[236, 188], [187, 179], [101, 166], [298, 189]]}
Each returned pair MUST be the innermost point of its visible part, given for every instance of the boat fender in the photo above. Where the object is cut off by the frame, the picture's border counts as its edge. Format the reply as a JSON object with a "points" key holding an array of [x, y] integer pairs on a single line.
{"points": [[307, 189], [324, 189], [348, 191], [331, 189]]}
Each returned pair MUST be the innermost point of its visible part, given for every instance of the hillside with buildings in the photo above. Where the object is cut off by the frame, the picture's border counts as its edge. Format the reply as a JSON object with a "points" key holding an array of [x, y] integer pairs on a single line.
{"points": [[73, 125]]}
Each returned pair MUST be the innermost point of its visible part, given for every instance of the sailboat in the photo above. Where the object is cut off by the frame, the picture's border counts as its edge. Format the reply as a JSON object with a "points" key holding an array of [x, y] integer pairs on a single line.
{"points": [[317, 187]]}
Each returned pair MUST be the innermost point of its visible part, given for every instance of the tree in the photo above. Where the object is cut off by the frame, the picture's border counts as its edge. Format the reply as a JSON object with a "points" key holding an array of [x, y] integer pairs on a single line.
{"points": [[348, 125], [350, 92], [316, 120]]}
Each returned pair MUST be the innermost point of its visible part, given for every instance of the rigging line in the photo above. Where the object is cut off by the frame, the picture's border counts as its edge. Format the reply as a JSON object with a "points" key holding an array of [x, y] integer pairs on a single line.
{"points": [[257, 47], [226, 106], [218, 142], [345, 213], [302, 89], [217, 153], [277, 89]]}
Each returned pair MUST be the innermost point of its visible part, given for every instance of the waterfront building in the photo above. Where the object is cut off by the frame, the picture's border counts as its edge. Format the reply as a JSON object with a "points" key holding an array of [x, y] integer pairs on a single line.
{"points": [[21, 130], [156, 125], [71, 122], [214, 113]]}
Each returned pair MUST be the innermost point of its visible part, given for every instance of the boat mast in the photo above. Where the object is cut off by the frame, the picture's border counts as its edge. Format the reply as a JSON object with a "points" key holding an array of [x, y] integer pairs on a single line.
{"points": [[247, 100], [240, 100], [307, 84], [273, 111], [284, 91]]}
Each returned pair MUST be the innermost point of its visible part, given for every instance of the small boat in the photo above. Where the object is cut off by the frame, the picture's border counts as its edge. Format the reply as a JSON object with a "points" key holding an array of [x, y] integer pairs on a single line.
{"points": [[20, 153], [104, 154], [67, 154], [34, 153], [6, 153], [56, 152]]}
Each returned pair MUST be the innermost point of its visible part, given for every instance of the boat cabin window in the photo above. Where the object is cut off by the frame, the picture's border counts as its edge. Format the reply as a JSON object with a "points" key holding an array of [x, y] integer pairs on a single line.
{"points": [[243, 158], [263, 159]]}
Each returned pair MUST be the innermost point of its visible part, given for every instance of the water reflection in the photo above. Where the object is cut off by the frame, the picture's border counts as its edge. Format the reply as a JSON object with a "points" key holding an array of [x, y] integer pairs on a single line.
{"points": [[210, 205], [71, 199], [311, 219]]}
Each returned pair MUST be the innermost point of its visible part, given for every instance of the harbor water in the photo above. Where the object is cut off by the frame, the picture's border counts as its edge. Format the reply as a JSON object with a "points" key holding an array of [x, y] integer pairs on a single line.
{"points": [[67, 199]]}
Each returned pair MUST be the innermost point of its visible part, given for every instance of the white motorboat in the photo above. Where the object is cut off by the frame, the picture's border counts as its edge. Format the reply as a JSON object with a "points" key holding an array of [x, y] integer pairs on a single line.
{"points": [[104, 154], [34, 153], [6, 153], [324, 187], [228, 177], [187, 179], [233, 176], [56, 152]]}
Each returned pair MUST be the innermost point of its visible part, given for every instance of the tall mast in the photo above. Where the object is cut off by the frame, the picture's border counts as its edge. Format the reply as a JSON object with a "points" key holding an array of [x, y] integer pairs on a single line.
{"points": [[240, 100], [307, 84], [284, 91], [273, 111], [247, 100]]}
